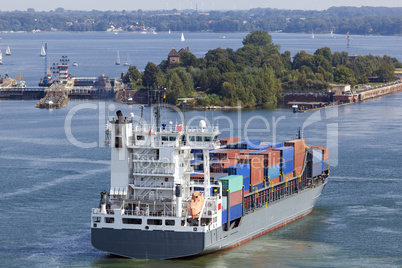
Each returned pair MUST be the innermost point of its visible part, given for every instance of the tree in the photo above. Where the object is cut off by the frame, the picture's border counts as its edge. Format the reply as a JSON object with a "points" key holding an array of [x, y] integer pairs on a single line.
{"points": [[149, 77], [344, 75]]}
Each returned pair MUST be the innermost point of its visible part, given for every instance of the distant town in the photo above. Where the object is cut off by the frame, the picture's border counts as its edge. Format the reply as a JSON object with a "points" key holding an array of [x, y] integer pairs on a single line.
{"points": [[338, 20]]}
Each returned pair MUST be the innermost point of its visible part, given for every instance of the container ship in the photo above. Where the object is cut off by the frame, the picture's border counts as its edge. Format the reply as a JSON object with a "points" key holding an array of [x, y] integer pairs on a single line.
{"points": [[179, 191]]}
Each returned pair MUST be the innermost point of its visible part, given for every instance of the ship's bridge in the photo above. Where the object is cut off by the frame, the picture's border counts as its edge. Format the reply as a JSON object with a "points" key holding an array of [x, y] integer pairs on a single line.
{"points": [[202, 137]]}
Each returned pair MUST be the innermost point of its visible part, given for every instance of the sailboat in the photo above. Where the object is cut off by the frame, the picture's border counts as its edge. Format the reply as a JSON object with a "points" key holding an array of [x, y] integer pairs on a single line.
{"points": [[42, 50], [332, 34], [117, 62], [128, 62], [312, 36], [8, 51], [1, 57], [182, 37], [169, 31]]}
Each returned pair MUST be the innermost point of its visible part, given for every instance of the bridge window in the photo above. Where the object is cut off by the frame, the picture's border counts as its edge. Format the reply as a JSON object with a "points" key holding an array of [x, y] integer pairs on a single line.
{"points": [[207, 138], [96, 219], [132, 221], [140, 138], [192, 138], [169, 222], [109, 220], [165, 138], [154, 222], [172, 138], [199, 138]]}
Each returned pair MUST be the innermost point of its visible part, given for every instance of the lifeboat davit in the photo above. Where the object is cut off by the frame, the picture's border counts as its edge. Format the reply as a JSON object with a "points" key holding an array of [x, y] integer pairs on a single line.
{"points": [[197, 201]]}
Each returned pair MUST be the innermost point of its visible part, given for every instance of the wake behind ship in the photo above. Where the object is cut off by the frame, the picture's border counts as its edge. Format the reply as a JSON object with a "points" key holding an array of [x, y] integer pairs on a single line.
{"points": [[178, 191]]}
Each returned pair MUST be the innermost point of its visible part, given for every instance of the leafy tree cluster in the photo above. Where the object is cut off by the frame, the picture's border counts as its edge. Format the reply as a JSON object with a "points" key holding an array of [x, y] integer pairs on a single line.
{"points": [[363, 20], [257, 73]]}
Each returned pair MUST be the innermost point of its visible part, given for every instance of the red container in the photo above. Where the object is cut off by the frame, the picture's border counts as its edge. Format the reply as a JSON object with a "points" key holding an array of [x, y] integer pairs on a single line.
{"points": [[256, 161], [230, 140], [299, 159], [275, 180], [228, 153], [298, 170], [219, 167], [288, 176], [257, 176], [247, 192], [243, 152], [236, 198], [298, 145]]}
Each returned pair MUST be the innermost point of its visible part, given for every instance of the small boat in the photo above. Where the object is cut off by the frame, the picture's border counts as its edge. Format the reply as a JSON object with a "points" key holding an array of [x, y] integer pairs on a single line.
{"points": [[75, 64], [312, 36], [128, 62], [332, 34], [144, 32], [153, 32], [182, 37], [43, 50], [169, 31], [197, 201], [1, 58], [117, 62], [8, 51]]}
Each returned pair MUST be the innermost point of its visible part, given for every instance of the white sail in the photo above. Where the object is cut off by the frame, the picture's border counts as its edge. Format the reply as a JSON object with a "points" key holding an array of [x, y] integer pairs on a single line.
{"points": [[8, 51], [182, 37], [118, 58], [332, 34], [1, 57], [312, 36], [169, 31], [42, 50]]}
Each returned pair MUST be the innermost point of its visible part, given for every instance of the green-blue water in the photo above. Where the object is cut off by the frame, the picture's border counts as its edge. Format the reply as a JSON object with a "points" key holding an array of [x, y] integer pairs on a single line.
{"points": [[49, 187]]}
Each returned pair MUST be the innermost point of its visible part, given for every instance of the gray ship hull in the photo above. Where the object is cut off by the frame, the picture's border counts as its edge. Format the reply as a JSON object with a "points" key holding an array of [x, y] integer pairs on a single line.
{"points": [[166, 245]]}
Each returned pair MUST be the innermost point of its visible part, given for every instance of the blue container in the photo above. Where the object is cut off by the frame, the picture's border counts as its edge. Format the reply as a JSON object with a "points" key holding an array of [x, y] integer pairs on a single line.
{"points": [[317, 156], [287, 153], [246, 183], [317, 169], [258, 186], [276, 144], [239, 169], [252, 144], [272, 172], [235, 212], [286, 167], [258, 152], [325, 165]]}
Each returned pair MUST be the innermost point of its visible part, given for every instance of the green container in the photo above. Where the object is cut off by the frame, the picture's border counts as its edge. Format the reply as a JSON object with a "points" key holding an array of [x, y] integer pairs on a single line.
{"points": [[233, 183]]}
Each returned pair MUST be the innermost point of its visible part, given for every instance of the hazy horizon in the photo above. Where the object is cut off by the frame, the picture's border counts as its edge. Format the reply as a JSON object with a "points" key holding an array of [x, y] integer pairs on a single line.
{"points": [[200, 5]]}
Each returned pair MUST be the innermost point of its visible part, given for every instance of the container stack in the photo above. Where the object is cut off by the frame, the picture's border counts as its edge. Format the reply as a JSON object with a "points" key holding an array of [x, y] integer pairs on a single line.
{"points": [[317, 162], [243, 170], [271, 164], [325, 156], [256, 163], [227, 141], [299, 147], [287, 163], [233, 201], [226, 154], [220, 166]]}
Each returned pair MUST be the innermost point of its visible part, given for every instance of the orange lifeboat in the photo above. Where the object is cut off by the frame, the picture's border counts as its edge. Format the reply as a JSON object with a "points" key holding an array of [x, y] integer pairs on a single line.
{"points": [[197, 201]]}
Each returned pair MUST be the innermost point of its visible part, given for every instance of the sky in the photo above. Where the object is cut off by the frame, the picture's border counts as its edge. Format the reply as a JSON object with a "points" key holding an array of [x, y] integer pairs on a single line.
{"points": [[201, 5]]}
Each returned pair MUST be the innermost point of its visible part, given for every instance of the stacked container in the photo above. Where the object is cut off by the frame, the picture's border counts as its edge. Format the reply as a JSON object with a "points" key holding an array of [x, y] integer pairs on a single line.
{"points": [[219, 167], [317, 162], [271, 164], [233, 185], [299, 154], [243, 170], [287, 163], [227, 141], [225, 154], [325, 156], [256, 163]]}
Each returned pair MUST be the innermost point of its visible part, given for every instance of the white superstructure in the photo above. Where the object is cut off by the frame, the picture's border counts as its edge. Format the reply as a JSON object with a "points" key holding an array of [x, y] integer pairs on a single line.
{"points": [[150, 186]]}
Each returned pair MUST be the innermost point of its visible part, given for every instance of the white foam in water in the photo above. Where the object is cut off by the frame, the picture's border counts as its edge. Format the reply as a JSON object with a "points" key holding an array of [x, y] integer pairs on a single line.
{"points": [[53, 183]]}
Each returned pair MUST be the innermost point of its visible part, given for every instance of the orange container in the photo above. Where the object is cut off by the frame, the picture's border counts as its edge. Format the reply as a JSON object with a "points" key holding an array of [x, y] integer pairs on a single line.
{"points": [[298, 145], [236, 198], [288, 176], [230, 140], [243, 152], [299, 159], [228, 153], [247, 192], [257, 177], [275, 180], [219, 167], [256, 161]]}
